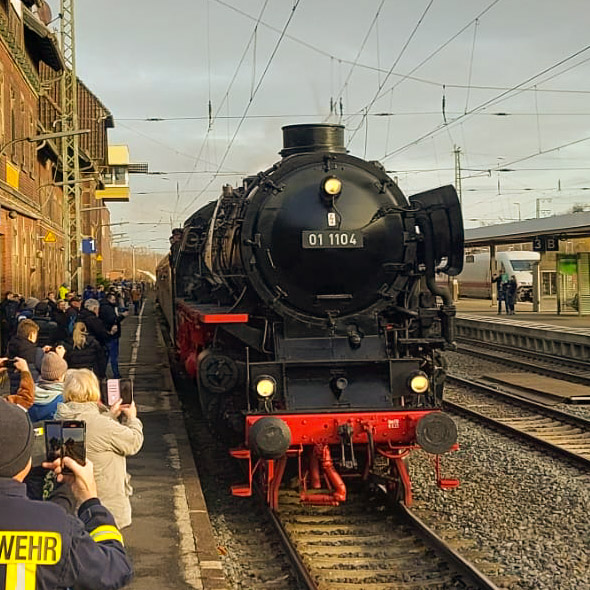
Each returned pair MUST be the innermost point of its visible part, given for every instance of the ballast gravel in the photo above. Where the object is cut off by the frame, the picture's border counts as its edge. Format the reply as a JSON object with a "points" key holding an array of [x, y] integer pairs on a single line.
{"points": [[521, 516], [471, 367]]}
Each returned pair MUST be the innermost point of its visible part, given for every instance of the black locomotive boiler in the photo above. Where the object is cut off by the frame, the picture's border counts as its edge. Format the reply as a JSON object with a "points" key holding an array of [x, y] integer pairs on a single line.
{"points": [[304, 304]]}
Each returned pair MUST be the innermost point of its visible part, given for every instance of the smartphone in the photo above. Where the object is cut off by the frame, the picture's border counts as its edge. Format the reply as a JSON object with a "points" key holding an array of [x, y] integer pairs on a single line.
{"points": [[126, 390], [53, 440], [65, 438], [74, 441], [113, 390]]}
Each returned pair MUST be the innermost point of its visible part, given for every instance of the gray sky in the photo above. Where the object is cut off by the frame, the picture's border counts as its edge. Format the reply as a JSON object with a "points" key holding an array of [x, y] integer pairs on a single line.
{"points": [[526, 59]]}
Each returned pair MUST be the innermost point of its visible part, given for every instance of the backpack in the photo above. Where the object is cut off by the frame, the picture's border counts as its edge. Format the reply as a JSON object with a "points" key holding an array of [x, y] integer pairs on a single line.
{"points": [[71, 323]]}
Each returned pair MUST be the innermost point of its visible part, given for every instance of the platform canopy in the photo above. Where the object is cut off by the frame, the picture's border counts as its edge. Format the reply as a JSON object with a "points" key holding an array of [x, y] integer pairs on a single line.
{"points": [[573, 225]]}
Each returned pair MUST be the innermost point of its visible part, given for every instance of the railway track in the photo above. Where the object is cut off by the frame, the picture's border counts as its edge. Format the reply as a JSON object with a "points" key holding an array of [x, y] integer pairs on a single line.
{"points": [[361, 547], [536, 362], [560, 432]]}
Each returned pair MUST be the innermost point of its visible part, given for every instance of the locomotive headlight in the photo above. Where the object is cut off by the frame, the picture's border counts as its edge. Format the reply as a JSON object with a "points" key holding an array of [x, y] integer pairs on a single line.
{"points": [[419, 383], [332, 186], [266, 386]]}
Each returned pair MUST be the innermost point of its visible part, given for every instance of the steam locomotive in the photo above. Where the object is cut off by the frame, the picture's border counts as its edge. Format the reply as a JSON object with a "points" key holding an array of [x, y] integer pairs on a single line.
{"points": [[305, 306]]}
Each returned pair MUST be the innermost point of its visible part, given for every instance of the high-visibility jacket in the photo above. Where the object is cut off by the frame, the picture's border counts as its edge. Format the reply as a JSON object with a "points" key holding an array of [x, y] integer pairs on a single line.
{"points": [[62, 292], [42, 547]]}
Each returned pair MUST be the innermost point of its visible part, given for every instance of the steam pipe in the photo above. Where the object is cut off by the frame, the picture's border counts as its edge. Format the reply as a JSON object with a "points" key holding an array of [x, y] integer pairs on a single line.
{"points": [[335, 497]]}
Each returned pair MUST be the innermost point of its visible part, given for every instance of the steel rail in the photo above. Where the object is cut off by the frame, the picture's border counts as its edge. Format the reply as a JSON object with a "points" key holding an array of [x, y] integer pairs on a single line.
{"points": [[523, 401], [582, 374], [498, 424], [303, 574], [464, 567]]}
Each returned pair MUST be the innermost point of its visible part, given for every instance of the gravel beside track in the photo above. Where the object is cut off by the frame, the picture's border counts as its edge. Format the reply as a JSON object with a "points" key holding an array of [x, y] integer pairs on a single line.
{"points": [[470, 367], [528, 510], [251, 552]]}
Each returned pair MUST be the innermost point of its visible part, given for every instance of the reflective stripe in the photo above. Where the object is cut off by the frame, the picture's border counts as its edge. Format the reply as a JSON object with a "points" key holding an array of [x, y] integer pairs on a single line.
{"points": [[108, 537], [21, 576], [106, 532], [11, 576], [30, 576]]}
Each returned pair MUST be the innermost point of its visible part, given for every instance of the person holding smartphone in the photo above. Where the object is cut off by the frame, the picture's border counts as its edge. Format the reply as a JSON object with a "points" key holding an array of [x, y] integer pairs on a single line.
{"points": [[57, 550], [108, 440], [25, 393]]}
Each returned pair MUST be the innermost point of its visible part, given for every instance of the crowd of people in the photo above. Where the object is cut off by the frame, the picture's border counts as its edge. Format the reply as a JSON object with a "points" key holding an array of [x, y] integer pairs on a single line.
{"points": [[54, 354], [506, 289]]}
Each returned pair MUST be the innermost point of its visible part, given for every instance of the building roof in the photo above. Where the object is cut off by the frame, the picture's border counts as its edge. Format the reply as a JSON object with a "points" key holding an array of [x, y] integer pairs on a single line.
{"points": [[49, 49], [570, 225]]}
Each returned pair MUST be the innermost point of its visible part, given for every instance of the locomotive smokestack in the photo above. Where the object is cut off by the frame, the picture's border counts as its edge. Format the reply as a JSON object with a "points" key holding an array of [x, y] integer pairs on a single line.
{"points": [[298, 139]]}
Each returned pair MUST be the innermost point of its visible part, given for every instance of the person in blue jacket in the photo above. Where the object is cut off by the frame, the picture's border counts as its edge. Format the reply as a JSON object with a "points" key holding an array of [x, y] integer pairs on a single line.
{"points": [[41, 546]]}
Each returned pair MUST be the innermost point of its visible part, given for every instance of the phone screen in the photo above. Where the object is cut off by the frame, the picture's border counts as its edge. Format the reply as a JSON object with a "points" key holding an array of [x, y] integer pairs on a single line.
{"points": [[113, 392], [53, 440], [126, 389], [74, 440]]}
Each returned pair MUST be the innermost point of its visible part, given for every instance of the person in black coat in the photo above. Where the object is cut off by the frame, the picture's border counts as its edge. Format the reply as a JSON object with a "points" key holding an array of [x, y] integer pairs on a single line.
{"points": [[61, 319], [86, 352], [511, 289], [95, 326], [73, 311], [24, 345], [47, 327], [112, 319], [8, 314], [52, 303]]}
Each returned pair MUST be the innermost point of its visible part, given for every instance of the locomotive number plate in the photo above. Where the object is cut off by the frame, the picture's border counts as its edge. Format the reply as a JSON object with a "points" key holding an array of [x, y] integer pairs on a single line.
{"points": [[331, 239]]}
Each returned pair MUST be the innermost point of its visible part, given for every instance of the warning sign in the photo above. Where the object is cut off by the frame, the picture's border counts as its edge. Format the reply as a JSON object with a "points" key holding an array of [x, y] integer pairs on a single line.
{"points": [[49, 237], [99, 258]]}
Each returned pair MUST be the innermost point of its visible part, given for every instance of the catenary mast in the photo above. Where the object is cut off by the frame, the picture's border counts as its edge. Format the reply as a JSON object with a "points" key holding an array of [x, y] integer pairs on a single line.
{"points": [[70, 148]]}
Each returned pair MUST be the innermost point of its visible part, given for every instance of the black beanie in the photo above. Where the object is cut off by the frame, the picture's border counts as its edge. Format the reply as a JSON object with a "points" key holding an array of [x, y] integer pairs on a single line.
{"points": [[16, 439]]}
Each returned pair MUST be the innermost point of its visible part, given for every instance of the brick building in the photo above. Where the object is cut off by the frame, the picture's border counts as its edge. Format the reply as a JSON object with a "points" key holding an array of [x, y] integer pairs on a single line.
{"points": [[31, 196]]}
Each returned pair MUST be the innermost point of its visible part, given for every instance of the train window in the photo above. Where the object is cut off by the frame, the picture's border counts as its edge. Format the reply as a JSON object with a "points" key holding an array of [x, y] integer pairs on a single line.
{"points": [[526, 265], [470, 258]]}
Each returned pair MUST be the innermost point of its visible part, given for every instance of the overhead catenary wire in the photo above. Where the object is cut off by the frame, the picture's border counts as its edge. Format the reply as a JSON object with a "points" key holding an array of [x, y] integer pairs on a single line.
{"points": [[431, 55], [470, 74], [361, 49], [492, 101], [225, 97], [388, 75], [249, 104]]}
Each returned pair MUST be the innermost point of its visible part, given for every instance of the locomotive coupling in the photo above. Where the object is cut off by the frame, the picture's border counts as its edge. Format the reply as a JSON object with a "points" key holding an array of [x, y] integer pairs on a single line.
{"points": [[436, 433]]}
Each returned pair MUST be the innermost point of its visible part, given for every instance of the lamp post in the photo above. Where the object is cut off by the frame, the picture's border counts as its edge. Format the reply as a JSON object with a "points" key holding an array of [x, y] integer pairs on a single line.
{"points": [[42, 137]]}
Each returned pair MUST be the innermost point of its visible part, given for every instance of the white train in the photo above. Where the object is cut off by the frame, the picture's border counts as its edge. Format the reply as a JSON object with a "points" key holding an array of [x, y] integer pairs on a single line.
{"points": [[475, 280]]}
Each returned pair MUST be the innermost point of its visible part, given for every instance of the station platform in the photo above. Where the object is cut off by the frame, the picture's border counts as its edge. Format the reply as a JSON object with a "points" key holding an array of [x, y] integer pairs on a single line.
{"points": [[523, 312], [170, 540]]}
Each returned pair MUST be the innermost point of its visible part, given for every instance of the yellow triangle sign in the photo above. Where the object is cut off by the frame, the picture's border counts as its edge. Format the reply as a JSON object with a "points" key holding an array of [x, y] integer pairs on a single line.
{"points": [[49, 237], [99, 258]]}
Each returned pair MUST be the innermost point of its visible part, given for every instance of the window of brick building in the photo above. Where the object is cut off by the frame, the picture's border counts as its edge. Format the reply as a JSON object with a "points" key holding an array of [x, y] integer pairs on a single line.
{"points": [[13, 123], [2, 131], [32, 147], [22, 131]]}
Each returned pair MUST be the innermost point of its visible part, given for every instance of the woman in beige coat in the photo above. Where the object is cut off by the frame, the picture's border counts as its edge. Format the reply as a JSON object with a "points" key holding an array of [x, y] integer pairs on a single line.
{"points": [[108, 441]]}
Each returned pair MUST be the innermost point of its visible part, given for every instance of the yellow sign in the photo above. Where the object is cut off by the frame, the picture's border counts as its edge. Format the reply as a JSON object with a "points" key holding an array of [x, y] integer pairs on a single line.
{"points": [[33, 547], [12, 174], [49, 237], [99, 258]]}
